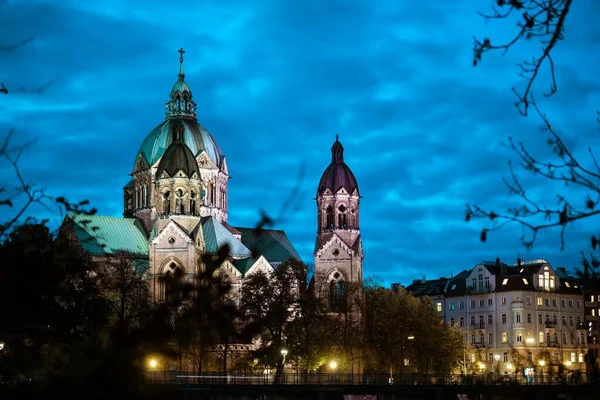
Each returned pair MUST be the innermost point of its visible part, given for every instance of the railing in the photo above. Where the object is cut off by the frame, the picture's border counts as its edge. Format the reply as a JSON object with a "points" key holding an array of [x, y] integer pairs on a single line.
{"points": [[320, 379], [550, 324]]}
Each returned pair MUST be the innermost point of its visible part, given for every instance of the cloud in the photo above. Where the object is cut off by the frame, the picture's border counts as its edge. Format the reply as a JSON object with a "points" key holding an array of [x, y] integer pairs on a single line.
{"points": [[274, 82]]}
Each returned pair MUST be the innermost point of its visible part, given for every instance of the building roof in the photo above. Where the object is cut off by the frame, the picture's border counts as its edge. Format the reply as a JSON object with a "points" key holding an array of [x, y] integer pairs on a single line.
{"points": [[178, 157], [195, 136], [109, 235], [434, 287], [216, 236], [337, 175], [274, 245]]}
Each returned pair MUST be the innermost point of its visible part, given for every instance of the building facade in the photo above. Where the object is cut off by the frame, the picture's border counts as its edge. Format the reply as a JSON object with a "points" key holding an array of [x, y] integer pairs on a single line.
{"points": [[516, 319]]}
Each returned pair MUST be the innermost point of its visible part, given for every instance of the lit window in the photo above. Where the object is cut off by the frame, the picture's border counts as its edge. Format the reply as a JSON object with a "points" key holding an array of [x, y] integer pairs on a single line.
{"points": [[452, 305], [521, 270], [472, 358], [541, 337], [504, 337], [505, 281], [593, 312], [572, 357], [575, 286], [592, 298], [580, 357], [567, 284], [439, 307], [503, 301], [453, 286], [546, 268], [525, 281], [540, 301]]}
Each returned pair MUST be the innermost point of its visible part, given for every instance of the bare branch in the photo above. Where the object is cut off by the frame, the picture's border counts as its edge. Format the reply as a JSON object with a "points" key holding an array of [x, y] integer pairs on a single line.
{"points": [[541, 19], [568, 170]]}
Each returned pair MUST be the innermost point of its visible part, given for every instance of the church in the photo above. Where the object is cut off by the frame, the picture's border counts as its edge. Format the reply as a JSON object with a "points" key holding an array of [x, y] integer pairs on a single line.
{"points": [[176, 210]]}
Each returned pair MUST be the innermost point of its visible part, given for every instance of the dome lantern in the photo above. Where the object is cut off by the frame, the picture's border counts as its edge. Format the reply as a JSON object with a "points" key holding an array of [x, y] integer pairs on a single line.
{"points": [[180, 103], [337, 175]]}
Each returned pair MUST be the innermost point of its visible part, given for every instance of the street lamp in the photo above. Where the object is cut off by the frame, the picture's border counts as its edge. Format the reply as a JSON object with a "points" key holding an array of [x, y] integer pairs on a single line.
{"points": [[283, 353], [497, 358], [1, 346], [152, 363], [542, 363]]}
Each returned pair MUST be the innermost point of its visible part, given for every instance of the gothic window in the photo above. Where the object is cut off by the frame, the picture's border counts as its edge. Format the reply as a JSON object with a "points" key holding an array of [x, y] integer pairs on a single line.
{"points": [[167, 202], [179, 206], [192, 203], [337, 294], [171, 284], [342, 218], [329, 217]]}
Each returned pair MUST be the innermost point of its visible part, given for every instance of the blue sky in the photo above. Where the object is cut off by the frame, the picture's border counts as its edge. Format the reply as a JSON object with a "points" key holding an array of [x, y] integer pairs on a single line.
{"points": [[275, 81]]}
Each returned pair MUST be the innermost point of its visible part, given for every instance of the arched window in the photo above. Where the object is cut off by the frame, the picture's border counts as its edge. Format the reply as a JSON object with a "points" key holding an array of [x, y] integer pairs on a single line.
{"points": [[167, 202], [337, 294], [179, 206], [342, 217], [192, 203], [329, 217], [171, 288]]}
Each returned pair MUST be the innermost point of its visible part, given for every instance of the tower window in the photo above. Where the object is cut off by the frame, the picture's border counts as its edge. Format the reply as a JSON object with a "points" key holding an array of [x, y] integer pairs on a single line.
{"points": [[167, 202], [329, 217], [337, 296]]}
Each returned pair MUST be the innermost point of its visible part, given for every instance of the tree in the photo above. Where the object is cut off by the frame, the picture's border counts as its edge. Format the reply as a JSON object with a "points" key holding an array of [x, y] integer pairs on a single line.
{"points": [[268, 302], [543, 21], [52, 311], [401, 327]]}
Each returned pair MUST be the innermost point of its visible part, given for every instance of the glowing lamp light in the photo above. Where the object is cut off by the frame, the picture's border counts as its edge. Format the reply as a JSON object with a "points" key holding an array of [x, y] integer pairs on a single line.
{"points": [[411, 337], [333, 365], [481, 366], [509, 366], [153, 363], [530, 340], [542, 363], [284, 352], [497, 357], [1, 346], [568, 363]]}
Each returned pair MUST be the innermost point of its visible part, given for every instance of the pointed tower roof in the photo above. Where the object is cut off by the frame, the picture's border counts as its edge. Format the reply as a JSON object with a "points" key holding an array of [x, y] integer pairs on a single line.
{"points": [[180, 103], [337, 175]]}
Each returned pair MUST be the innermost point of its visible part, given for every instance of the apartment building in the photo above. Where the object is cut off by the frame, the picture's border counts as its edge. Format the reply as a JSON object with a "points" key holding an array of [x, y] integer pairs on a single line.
{"points": [[525, 318]]}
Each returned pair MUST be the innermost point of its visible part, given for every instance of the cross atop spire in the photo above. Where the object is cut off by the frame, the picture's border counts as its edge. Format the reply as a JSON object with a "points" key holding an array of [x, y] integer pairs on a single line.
{"points": [[337, 137], [181, 51]]}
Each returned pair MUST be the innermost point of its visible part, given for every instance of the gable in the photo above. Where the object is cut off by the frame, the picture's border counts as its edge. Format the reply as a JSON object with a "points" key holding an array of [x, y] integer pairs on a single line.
{"points": [[204, 161], [253, 265], [333, 240], [172, 235], [140, 164]]}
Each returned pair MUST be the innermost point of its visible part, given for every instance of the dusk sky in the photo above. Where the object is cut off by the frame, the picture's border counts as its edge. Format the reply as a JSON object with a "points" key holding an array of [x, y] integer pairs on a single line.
{"points": [[274, 81]]}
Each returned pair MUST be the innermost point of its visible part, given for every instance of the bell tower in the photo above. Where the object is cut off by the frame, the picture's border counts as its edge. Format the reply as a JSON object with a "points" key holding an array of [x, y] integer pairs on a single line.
{"points": [[338, 248]]}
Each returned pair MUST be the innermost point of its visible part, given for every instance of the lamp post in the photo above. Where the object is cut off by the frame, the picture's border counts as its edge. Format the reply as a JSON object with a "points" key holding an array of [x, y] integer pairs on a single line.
{"points": [[284, 353], [152, 363], [497, 358], [409, 337], [542, 363], [332, 366]]}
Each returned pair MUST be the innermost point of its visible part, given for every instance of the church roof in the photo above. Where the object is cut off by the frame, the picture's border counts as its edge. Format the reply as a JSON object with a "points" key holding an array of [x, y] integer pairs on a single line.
{"points": [[195, 136], [274, 245], [216, 236], [337, 175], [109, 235], [178, 157]]}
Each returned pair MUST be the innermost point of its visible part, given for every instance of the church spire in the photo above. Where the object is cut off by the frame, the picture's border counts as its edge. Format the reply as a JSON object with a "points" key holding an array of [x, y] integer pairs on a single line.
{"points": [[337, 151], [180, 103], [181, 52]]}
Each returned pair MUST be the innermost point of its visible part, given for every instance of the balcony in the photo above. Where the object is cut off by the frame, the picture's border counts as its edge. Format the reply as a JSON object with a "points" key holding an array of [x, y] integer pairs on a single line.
{"points": [[478, 325], [480, 345], [550, 324], [553, 344]]}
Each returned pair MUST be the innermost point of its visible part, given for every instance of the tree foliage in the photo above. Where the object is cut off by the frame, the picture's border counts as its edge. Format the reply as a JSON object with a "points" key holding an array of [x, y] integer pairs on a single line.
{"points": [[401, 327]]}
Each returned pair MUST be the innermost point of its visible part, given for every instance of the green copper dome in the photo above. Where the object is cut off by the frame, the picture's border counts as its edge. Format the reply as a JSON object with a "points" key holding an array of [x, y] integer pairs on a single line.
{"points": [[180, 112], [195, 136]]}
